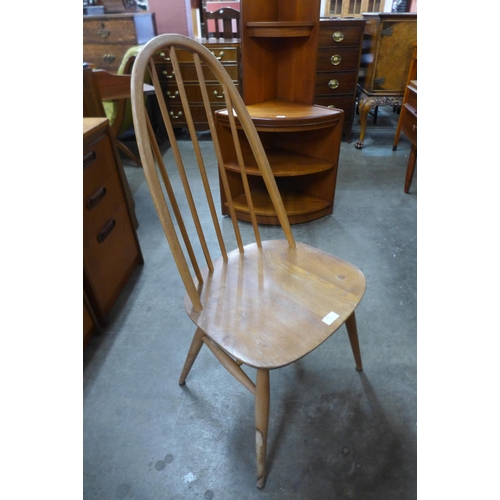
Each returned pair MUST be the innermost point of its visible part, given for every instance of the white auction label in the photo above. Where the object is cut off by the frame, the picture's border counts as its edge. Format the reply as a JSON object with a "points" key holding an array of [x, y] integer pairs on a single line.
{"points": [[330, 318]]}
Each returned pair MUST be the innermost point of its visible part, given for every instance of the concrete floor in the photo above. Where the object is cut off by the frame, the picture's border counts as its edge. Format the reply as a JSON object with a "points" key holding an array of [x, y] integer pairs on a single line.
{"points": [[333, 433]]}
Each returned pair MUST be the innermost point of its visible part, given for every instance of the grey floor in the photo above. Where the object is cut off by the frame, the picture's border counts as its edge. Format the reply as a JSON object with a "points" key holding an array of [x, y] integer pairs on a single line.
{"points": [[334, 432]]}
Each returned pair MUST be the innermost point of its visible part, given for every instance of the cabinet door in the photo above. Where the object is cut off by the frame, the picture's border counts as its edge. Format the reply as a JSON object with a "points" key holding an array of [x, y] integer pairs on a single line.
{"points": [[394, 56]]}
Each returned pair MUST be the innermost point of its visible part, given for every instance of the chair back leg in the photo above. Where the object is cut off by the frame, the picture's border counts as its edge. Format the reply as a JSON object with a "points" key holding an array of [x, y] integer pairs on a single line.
{"points": [[352, 331]]}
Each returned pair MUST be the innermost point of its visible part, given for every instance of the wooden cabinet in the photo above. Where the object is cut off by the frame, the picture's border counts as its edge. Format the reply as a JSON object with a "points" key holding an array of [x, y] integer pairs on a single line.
{"points": [[302, 140], [106, 38], [386, 56], [111, 249], [339, 51], [387, 52], [228, 54]]}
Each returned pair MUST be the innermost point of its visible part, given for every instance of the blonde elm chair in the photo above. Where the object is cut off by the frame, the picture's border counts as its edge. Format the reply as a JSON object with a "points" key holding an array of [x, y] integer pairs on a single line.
{"points": [[263, 304]]}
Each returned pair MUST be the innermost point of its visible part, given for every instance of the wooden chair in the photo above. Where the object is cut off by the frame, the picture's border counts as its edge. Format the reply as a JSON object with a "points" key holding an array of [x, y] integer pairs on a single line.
{"points": [[223, 21], [263, 304]]}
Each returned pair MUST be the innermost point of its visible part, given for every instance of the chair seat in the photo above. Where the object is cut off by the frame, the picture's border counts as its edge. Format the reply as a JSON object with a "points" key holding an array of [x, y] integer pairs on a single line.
{"points": [[266, 307]]}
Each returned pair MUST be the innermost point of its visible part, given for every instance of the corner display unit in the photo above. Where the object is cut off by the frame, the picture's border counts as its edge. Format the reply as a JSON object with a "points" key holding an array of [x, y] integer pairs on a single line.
{"points": [[302, 140]]}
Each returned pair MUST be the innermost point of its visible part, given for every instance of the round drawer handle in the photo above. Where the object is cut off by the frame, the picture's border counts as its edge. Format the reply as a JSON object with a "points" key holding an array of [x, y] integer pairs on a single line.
{"points": [[333, 84], [175, 96], [164, 56], [219, 96], [177, 116], [165, 72], [335, 59], [109, 58], [338, 36]]}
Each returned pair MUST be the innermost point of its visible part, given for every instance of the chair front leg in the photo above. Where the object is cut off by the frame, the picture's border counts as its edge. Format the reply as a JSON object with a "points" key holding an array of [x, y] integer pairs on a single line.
{"points": [[262, 397]]}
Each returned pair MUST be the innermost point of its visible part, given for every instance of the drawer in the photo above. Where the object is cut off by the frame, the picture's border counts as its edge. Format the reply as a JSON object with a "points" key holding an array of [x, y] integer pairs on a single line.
{"points": [[109, 31], [409, 126], [193, 92], [223, 54], [188, 71], [344, 36], [98, 164], [337, 59], [109, 257], [343, 102], [108, 57], [100, 204], [339, 83]]}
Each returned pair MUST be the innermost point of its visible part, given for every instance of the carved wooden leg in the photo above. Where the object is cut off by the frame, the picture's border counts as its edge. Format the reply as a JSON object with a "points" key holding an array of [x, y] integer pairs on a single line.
{"points": [[364, 108], [410, 168], [352, 331], [196, 344], [261, 423]]}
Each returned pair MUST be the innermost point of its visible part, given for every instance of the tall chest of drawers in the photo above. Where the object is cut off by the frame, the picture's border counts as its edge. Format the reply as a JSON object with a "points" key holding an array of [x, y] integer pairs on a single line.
{"points": [[227, 52], [339, 52], [107, 37], [111, 249]]}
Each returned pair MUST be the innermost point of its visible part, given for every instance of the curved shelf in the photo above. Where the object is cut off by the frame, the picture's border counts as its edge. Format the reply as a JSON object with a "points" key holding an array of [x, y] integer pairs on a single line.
{"points": [[284, 163], [279, 29], [280, 115], [299, 206]]}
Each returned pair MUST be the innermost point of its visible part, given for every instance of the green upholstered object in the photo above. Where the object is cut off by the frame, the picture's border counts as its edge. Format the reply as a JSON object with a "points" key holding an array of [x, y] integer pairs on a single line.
{"points": [[110, 107]]}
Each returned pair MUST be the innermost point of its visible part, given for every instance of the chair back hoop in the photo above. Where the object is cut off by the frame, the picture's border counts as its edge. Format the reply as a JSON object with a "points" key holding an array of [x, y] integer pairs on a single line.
{"points": [[226, 23], [155, 171]]}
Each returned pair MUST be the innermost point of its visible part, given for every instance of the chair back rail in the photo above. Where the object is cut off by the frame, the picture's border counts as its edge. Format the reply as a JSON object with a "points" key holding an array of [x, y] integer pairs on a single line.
{"points": [[226, 23], [158, 177]]}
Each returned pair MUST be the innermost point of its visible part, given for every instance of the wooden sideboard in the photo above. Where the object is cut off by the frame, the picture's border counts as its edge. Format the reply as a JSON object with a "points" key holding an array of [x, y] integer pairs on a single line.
{"points": [[228, 53], [386, 56], [111, 248], [339, 52], [107, 37]]}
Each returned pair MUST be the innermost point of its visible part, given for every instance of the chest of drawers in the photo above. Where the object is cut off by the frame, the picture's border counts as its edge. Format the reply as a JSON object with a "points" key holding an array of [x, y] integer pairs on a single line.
{"points": [[339, 51], [228, 54], [111, 249], [106, 38]]}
